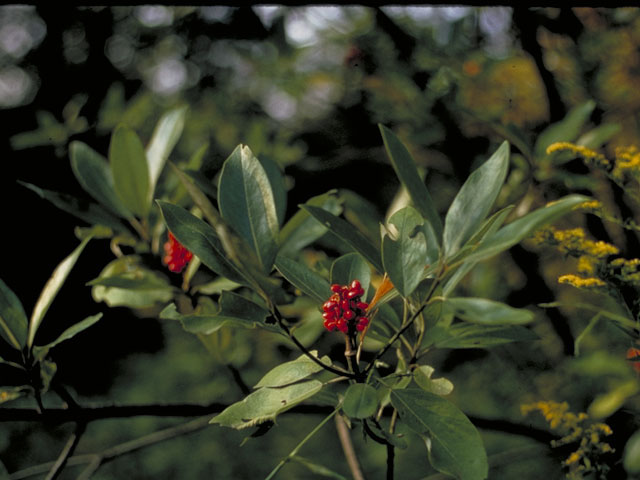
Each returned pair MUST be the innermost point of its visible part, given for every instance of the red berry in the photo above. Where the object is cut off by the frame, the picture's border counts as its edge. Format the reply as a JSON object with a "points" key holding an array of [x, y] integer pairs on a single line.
{"points": [[336, 288], [355, 285]]}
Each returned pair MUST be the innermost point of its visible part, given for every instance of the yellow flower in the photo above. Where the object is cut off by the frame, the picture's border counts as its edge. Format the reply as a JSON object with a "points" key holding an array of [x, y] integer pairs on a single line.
{"points": [[586, 265], [596, 158], [581, 282]]}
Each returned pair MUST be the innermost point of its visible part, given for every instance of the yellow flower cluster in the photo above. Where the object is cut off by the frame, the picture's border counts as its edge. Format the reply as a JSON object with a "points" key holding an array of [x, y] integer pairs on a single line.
{"points": [[627, 161], [573, 242], [585, 153], [586, 459], [593, 206], [581, 282], [626, 270]]}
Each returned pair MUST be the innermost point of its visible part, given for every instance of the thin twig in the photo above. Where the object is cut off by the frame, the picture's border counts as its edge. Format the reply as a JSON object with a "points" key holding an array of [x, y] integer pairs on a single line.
{"points": [[347, 448], [67, 452], [237, 377]]}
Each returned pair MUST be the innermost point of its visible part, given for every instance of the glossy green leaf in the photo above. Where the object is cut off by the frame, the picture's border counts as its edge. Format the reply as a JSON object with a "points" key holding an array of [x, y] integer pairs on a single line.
{"points": [[94, 175], [486, 312], [247, 204], [474, 201], [348, 233], [439, 386], [292, 372], [302, 277], [89, 212], [130, 170], [351, 267], [13, 320], [360, 401], [406, 170], [278, 188], [465, 335], [41, 351], [302, 229], [404, 255], [597, 137], [201, 239], [631, 456], [235, 311], [51, 289], [164, 139], [514, 232], [453, 443], [567, 129], [265, 404]]}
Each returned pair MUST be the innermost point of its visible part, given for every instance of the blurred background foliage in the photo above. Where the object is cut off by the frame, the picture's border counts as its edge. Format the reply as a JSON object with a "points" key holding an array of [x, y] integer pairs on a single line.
{"points": [[306, 86]]}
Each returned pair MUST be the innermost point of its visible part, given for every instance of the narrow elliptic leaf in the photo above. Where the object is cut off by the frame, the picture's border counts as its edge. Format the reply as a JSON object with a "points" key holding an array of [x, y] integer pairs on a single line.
{"points": [[567, 129], [351, 267], [91, 213], [514, 232], [11, 393], [292, 372], [316, 469], [405, 256], [360, 401], [247, 204], [486, 312], [302, 229], [201, 239], [164, 139], [13, 320], [348, 233], [278, 188], [51, 289], [606, 404], [474, 201], [439, 386], [235, 311], [454, 445], [92, 172], [130, 170], [41, 351], [302, 277], [597, 137], [406, 170], [265, 404], [465, 335], [631, 456]]}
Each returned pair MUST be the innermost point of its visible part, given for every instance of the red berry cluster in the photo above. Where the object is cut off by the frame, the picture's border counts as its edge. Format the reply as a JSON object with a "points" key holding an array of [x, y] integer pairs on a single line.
{"points": [[176, 254], [344, 309]]}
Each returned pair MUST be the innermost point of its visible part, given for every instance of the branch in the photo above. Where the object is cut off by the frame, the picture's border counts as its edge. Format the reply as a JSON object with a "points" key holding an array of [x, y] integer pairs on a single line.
{"points": [[347, 448], [67, 451]]}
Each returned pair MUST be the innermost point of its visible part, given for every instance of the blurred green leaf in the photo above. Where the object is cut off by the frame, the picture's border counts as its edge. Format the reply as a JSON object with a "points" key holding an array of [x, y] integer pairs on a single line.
{"points": [[453, 443], [439, 386], [348, 233], [51, 289], [486, 312], [608, 403], [474, 201], [94, 175], [130, 170], [301, 229], [360, 401], [164, 139], [265, 404], [597, 137], [566, 130], [404, 255], [293, 371], [41, 351], [631, 456], [406, 170], [247, 203], [318, 469], [302, 277], [11, 393], [13, 320], [464, 335], [351, 267]]}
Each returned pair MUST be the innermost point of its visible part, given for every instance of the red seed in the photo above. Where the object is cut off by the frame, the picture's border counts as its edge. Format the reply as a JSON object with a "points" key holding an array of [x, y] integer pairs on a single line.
{"points": [[355, 285], [348, 314], [328, 305], [336, 288], [362, 305]]}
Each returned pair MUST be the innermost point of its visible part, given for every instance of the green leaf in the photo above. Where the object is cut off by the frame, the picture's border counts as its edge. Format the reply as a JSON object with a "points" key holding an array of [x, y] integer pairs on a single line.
{"points": [[41, 351], [514, 232], [92, 172], [486, 312], [351, 267], [608, 403], [566, 130], [439, 386], [4, 474], [235, 311], [13, 320], [276, 180], [89, 212], [407, 172], [454, 445], [317, 469], [404, 255], [51, 289], [360, 401], [465, 335], [130, 170], [11, 393], [265, 404], [474, 201], [597, 137], [201, 239], [348, 233], [302, 277], [247, 204], [292, 372], [631, 456], [302, 229], [164, 139]]}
